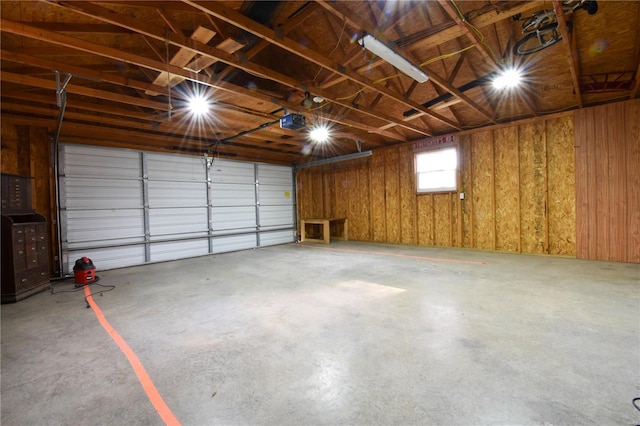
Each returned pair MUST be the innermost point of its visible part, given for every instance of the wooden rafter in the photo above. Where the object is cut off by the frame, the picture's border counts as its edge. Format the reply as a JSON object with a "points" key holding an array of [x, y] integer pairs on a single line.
{"points": [[229, 15], [358, 23], [178, 40], [479, 43], [570, 48], [447, 34]]}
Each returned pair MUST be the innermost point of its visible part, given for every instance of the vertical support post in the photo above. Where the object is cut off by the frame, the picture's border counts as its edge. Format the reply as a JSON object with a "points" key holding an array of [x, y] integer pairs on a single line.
{"points": [[145, 206], [519, 193], [294, 194], [208, 163], [257, 196]]}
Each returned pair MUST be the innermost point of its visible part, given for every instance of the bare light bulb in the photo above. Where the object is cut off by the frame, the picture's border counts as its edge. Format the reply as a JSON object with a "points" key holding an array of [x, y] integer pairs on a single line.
{"points": [[198, 105], [319, 134], [507, 79]]}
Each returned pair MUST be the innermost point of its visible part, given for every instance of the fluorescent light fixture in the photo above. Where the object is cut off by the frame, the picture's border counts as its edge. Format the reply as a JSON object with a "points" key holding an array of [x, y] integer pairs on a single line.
{"points": [[507, 79], [374, 45], [335, 159]]}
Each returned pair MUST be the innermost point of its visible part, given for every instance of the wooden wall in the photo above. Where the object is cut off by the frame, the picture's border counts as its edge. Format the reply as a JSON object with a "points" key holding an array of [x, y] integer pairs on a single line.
{"points": [[26, 152], [608, 182], [518, 180]]}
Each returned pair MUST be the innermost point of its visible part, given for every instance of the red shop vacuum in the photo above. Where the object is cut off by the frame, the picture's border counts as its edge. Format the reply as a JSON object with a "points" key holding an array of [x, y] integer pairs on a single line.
{"points": [[84, 272]]}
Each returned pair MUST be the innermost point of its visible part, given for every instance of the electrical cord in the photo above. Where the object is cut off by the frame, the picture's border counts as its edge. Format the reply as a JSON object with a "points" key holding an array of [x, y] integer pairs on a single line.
{"points": [[80, 287]]}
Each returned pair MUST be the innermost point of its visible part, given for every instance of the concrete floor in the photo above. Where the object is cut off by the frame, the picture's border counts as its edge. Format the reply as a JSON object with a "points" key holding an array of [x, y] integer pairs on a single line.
{"points": [[351, 333]]}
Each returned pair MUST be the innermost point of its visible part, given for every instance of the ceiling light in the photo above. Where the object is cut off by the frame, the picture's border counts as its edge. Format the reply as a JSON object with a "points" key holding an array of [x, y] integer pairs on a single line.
{"points": [[374, 45], [507, 79], [319, 134], [199, 105]]}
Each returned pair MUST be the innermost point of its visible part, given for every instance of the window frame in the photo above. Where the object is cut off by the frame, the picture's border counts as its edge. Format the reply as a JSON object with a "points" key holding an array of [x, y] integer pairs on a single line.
{"points": [[435, 148]]}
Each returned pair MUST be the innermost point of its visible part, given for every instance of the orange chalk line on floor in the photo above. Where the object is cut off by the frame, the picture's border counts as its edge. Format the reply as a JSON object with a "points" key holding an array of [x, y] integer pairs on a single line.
{"points": [[154, 396], [471, 262]]}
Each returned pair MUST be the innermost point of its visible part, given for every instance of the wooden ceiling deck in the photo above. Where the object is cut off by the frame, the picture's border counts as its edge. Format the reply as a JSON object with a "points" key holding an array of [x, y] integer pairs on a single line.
{"points": [[131, 66]]}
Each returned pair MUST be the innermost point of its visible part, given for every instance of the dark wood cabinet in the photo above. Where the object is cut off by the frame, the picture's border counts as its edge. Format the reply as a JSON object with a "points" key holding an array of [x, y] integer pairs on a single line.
{"points": [[25, 255]]}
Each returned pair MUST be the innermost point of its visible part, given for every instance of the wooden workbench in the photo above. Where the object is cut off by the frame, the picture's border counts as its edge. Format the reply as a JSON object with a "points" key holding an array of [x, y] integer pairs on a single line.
{"points": [[336, 229]]}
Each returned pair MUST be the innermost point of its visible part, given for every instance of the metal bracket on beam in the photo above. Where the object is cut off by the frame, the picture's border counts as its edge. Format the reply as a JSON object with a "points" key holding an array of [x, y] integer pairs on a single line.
{"points": [[61, 87]]}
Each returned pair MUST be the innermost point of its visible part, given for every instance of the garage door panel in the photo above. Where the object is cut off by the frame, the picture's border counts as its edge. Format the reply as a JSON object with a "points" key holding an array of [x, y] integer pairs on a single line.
{"points": [[177, 194], [80, 160], [84, 228], [275, 195], [224, 171], [275, 175], [233, 243], [175, 168], [276, 237], [125, 207], [176, 221], [276, 216], [107, 258], [92, 193], [178, 250], [236, 217], [231, 194]]}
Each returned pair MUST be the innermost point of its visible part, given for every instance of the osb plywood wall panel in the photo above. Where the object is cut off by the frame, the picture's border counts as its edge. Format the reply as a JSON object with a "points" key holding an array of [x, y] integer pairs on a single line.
{"points": [[519, 190], [424, 205], [364, 182], [466, 187], [482, 181], [303, 195], [532, 154], [607, 159], [329, 192], [507, 193], [407, 198], [442, 219], [317, 195], [378, 204], [561, 199], [392, 197], [341, 184]]}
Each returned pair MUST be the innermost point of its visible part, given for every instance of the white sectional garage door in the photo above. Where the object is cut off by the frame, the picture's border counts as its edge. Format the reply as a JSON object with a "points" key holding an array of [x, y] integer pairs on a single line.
{"points": [[124, 207]]}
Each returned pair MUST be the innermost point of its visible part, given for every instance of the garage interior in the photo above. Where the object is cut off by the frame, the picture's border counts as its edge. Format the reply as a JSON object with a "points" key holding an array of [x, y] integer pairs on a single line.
{"points": [[250, 271]]}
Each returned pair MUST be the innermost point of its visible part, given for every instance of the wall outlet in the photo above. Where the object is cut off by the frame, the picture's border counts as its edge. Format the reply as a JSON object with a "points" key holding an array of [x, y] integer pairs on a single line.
{"points": [[462, 195]]}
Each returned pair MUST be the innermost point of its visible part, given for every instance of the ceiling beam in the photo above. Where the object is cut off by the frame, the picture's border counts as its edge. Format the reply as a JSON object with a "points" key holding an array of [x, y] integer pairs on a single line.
{"points": [[84, 91], [452, 10], [73, 102], [570, 48], [308, 10], [79, 71], [451, 32], [178, 40], [220, 11], [359, 24]]}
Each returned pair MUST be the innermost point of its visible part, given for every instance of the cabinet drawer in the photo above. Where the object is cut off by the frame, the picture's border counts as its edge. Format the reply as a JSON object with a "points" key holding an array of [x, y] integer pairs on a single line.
{"points": [[30, 229], [31, 248], [23, 281], [18, 234], [31, 278], [19, 263], [33, 261]]}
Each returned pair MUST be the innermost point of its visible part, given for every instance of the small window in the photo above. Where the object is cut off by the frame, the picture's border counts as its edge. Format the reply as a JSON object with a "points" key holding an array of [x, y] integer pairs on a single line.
{"points": [[436, 170]]}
